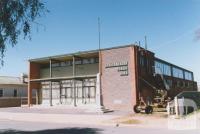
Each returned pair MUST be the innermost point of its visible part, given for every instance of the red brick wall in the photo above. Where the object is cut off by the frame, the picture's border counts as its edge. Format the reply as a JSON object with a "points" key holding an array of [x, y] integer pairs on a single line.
{"points": [[119, 92], [34, 70], [14, 102]]}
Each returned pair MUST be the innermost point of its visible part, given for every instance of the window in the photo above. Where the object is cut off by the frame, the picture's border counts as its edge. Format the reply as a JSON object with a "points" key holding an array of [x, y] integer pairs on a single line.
{"points": [[55, 64], [68, 63], [142, 61], [97, 60], [178, 84], [92, 60], [162, 68], [1, 92], [181, 84], [188, 75], [15, 93], [169, 83], [78, 62], [177, 72], [86, 61], [62, 64]]}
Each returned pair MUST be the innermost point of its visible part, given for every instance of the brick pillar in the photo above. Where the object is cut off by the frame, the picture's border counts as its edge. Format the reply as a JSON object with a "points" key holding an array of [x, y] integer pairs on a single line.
{"points": [[29, 94], [34, 70]]}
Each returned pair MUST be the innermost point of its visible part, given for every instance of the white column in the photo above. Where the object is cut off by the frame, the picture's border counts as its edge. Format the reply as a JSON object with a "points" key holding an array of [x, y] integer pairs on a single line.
{"points": [[98, 92], [176, 106]]}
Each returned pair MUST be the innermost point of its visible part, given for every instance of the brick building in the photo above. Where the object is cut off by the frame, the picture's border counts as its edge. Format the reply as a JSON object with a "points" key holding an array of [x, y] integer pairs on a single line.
{"points": [[117, 78]]}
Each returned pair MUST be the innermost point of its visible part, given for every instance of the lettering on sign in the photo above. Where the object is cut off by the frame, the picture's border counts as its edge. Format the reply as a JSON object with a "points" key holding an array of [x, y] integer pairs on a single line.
{"points": [[122, 67]]}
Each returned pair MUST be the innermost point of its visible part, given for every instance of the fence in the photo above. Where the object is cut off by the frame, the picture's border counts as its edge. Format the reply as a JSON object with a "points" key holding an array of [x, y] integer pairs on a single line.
{"points": [[14, 101]]}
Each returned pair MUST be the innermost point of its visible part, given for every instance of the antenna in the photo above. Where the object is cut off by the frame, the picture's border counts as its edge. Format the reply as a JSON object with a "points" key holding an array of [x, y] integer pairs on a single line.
{"points": [[139, 44], [145, 39], [99, 31]]}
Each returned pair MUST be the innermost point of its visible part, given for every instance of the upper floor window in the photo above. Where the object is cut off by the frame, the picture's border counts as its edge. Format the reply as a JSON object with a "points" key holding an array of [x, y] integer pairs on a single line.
{"points": [[162, 68], [1, 92], [142, 61], [86, 61], [177, 72], [78, 62], [55, 64], [169, 83], [92, 60], [188, 75], [15, 93]]}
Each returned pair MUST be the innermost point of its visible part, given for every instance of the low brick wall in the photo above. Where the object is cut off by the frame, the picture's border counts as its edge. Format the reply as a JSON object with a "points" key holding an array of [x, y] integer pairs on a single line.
{"points": [[14, 102]]}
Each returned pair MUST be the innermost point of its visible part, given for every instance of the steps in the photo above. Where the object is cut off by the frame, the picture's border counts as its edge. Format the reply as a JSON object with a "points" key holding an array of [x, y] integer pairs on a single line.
{"points": [[98, 109]]}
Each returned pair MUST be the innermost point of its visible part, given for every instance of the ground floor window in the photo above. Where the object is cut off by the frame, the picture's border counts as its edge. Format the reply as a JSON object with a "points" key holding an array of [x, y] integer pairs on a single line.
{"points": [[64, 92]]}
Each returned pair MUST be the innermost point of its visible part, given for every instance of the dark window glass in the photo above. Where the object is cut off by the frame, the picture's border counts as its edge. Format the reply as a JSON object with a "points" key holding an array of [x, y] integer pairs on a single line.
{"points": [[169, 83], [1, 92], [15, 93], [97, 60], [142, 61]]}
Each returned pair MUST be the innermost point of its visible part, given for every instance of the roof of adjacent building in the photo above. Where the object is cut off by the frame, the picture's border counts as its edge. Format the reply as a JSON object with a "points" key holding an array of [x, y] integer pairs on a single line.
{"points": [[9, 80]]}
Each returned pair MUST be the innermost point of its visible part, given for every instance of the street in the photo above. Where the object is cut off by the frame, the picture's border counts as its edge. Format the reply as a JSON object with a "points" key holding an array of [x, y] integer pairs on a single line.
{"points": [[22, 127]]}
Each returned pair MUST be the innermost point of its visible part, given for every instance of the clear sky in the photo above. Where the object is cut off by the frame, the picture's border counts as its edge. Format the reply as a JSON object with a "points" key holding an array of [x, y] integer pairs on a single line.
{"points": [[71, 26]]}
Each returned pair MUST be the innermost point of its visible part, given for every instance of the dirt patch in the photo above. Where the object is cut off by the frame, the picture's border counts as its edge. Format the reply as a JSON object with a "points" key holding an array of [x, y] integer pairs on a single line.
{"points": [[130, 121], [140, 119]]}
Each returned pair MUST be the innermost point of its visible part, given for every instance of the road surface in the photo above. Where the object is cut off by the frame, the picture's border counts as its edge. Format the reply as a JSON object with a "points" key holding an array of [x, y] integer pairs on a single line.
{"points": [[22, 127]]}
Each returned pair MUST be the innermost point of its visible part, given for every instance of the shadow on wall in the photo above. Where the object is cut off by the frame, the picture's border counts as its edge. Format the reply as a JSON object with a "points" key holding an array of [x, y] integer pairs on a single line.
{"points": [[55, 131]]}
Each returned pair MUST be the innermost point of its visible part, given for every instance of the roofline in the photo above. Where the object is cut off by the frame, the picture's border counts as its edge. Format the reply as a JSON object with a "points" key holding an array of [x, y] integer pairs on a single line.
{"points": [[78, 53], [173, 65], [96, 51], [10, 76], [15, 84]]}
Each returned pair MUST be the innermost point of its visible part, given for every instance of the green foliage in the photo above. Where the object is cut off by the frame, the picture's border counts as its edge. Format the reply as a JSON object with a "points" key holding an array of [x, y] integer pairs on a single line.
{"points": [[16, 17]]}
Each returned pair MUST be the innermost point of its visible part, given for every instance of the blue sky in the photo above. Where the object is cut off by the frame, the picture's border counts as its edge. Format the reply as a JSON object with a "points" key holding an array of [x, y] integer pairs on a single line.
{"points": [[71, 26]]}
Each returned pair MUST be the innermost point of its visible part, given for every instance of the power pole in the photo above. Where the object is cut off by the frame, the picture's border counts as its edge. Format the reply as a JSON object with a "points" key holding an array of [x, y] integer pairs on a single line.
{"points": [[145, 39], [99, 31]]}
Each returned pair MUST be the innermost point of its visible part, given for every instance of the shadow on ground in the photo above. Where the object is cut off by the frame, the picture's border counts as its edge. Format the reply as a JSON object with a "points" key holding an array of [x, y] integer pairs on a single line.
{"points": [[55, 131]]}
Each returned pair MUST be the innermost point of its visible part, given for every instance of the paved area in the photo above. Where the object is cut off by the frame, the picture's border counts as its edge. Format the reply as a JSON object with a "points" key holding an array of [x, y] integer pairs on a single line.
{"points": [[18, 127], [57, 110], [45, 110], [55, 115], [77, 121]]}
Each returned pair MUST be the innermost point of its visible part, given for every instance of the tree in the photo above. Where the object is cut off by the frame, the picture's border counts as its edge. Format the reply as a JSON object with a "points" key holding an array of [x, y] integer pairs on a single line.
{"points": [[16, 18]]}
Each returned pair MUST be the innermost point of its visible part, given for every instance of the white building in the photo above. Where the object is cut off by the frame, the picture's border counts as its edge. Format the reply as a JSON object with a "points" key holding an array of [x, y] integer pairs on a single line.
{"points": [[13, 91]]}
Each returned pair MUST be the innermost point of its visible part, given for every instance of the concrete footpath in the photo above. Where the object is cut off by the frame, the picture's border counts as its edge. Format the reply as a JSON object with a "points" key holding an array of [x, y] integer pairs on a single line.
{"points": [[53, 116]]}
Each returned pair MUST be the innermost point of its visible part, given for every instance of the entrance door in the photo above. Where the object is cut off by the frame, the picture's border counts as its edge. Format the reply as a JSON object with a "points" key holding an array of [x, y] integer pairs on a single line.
{"points": [[89, 91], [85, 91], [66, 92], [66, 96]]}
